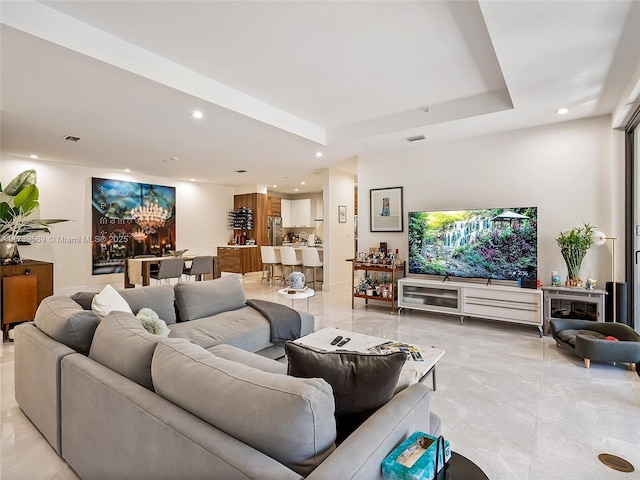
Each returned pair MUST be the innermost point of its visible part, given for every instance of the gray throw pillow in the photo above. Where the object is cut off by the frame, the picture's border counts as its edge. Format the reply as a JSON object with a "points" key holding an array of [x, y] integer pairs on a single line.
{"points": [[84, 299], [159, 298], [202, 299], [361, 382]]}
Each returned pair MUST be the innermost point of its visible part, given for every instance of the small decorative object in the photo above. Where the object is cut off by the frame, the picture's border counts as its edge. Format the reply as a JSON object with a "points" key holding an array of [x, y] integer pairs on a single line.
{"points": [[386, 213], [296, 280], [178, 253], [419, 457], [591, 283], [573, 246], [555, 279]]}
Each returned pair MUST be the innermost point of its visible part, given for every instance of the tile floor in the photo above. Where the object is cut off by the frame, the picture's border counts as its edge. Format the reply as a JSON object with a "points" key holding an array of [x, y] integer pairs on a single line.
{"points": [[509, 400]]}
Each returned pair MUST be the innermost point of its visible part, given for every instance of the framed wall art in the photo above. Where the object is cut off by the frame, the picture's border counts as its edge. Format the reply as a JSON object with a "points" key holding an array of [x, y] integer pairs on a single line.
{"points": [[386, 210], [342, 214]]}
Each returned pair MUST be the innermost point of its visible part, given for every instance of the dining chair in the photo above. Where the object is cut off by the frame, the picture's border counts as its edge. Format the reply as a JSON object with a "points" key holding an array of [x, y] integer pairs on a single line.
{"points": [[269, 263], [289, 259], [199, 266], [169, 268], [153, 267]]}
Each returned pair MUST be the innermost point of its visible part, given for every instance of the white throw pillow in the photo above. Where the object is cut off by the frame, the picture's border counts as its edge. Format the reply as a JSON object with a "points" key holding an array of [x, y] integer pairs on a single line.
{"points": [[109, 300]]}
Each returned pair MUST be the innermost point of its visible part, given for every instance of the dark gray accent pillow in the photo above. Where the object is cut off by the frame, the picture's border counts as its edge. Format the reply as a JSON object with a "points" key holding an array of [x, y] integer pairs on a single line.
{"points": [[84, 299], [159, 298], [361, 382], [202, 299]]}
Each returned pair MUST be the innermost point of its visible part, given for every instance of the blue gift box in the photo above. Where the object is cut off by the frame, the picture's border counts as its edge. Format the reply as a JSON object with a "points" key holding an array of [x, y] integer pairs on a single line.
{"points": [[410, 461]]}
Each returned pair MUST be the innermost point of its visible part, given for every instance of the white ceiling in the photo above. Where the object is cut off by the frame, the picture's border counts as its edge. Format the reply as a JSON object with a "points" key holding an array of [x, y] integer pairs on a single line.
{"points": [[279, 81]]}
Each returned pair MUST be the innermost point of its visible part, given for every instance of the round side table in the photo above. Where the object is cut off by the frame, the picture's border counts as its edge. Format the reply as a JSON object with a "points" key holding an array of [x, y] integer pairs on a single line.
{"points": [[308, 293], [461, 468]]}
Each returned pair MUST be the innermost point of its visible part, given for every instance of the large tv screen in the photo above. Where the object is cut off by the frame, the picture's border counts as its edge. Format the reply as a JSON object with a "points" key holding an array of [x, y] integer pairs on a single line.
{"points": [[495, 243]]}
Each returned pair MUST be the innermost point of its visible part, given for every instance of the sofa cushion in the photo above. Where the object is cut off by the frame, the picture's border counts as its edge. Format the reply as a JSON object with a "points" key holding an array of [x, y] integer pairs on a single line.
{"points": [[203, 299], [67, 322], [159, 298], [244, 328], [122, 344], [107, 301], [289, 419], [361, 382], [84, 299], [249, 359]]}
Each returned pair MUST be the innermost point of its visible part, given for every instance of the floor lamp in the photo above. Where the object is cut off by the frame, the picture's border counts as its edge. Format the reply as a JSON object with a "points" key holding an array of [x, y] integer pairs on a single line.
{"points": [[600, 239]]}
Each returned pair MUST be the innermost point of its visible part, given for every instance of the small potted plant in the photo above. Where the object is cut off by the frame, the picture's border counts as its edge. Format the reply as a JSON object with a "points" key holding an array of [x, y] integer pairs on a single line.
{"points": [[573, 246], [18, 219]]}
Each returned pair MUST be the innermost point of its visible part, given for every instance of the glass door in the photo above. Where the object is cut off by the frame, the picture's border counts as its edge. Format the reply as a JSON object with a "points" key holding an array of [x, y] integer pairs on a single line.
{"points": [[635, 222]]}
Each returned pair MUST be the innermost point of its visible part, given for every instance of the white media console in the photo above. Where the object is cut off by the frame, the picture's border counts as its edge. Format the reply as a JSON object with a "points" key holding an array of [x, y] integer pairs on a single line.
{"points": [[495, 302]]}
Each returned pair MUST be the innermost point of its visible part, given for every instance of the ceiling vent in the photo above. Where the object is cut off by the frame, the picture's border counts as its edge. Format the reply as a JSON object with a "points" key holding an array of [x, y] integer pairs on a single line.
{"points": [[241, 171], [71, 138], [417, 138]]}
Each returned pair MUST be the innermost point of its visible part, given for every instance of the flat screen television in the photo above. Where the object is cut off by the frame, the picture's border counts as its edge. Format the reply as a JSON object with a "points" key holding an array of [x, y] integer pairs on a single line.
{"points": [[494, 243]]}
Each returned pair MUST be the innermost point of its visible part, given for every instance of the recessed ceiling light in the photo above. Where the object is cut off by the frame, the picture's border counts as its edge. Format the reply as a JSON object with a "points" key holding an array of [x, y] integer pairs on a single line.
{"points": [[318, 154], [33, 156], [295, 190], [192, 179], [275, 186], [197, 114], [301, 183], [562, 111], [127, 169]]}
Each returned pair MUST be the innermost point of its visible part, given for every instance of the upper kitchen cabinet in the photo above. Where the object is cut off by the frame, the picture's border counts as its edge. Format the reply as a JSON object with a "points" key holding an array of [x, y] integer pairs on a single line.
{"points": [[274, 206], [296, 213]]}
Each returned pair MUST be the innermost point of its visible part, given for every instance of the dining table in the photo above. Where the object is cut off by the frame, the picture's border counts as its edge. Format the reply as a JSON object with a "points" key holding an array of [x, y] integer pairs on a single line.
{"points": [[137, 271]]}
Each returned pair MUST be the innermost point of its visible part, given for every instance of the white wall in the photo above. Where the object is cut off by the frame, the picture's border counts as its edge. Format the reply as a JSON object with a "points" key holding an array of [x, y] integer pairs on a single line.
{"points": [[565, 170], [65, 192]]}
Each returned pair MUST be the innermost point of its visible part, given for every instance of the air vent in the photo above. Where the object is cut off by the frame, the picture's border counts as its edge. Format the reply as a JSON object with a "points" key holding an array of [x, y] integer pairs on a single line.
{"points": [[416, 138], [71, 138], [241, 171], [616, 463]]}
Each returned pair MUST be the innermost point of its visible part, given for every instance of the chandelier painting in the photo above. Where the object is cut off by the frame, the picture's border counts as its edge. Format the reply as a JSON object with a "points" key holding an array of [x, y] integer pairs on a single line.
{"points": [[150, 216], [130, 219]]}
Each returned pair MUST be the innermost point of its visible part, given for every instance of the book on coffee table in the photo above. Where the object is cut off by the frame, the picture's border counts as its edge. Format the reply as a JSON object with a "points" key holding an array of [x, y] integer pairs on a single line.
{"points": [[413, 354]]}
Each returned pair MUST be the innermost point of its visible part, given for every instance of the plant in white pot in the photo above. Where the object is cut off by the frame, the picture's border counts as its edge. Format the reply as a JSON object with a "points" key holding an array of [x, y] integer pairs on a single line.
{"points": [[573, 246], [18, 215]]}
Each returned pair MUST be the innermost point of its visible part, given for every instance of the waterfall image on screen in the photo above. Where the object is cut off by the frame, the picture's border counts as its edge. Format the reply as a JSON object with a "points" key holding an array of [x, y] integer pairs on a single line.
{"points": [[498, 243]]}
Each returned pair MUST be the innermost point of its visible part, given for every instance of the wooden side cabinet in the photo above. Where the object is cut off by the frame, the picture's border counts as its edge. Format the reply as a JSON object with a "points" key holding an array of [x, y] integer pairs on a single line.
{"points": [[22, 288], [239, 259]]}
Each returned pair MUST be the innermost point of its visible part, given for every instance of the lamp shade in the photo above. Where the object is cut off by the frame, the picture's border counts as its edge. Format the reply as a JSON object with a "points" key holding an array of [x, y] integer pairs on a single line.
{"points": [[598, 238]]}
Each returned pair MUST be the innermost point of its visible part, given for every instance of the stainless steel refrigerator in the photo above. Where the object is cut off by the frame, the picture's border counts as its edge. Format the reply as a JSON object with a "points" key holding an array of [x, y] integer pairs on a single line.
{"points": [[274, 226]]}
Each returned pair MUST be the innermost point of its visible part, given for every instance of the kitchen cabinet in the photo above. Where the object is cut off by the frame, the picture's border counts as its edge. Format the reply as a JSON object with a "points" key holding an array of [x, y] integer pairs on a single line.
{"points": [[285, 213], [274, 206], [301, 212], [239, 259]]}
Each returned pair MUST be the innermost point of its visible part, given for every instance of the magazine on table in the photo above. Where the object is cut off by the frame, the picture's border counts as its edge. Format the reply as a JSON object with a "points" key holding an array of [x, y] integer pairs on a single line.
{"points": [[413, 354]]}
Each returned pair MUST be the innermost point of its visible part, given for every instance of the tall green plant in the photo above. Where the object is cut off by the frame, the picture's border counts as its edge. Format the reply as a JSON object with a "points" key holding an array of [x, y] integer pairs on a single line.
{"points": [[18, 203], [573, 246]]}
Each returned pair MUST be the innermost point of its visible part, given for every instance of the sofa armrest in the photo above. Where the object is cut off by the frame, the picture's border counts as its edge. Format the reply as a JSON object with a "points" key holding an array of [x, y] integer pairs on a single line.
{"points": [[360, 456], [114, 428], [37, 379]]}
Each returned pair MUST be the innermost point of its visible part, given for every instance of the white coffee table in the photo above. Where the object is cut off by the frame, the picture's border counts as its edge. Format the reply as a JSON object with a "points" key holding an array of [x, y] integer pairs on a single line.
{"points": [[412, 371], [298, 294]]}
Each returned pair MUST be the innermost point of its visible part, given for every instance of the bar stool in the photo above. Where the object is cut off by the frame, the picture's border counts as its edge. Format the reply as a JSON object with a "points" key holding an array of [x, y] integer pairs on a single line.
{"points": [[169, 268], [311, 259], [199, 266], [269, 263], [288, 259]]}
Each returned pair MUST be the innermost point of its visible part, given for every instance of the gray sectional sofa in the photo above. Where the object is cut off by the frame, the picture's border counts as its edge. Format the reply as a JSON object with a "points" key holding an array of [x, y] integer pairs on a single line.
{"points": [[117, 402]]}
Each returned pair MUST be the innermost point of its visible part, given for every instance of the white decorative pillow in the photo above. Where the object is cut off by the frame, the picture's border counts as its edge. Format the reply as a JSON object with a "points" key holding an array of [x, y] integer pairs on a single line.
{"points": [[152, 323], [109, 300]]}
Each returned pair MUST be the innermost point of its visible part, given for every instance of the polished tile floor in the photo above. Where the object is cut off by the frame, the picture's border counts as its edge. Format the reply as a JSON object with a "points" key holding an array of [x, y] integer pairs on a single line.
{"points": [[509, 400]]}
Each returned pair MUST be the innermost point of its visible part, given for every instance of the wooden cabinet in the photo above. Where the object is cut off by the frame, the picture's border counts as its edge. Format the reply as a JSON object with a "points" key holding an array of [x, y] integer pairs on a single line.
{"points": [[387, 274], [274, 206], [237, 259], [258, 203], [22, 289]]}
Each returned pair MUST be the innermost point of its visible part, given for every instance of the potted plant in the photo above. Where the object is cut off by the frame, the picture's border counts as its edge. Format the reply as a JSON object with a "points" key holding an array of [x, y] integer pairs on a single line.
{"points": [[573, 246], [18, 219]]}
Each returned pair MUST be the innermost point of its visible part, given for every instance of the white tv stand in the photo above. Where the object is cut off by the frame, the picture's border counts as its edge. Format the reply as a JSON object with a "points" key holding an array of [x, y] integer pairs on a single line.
{"points": [[495, 302]]}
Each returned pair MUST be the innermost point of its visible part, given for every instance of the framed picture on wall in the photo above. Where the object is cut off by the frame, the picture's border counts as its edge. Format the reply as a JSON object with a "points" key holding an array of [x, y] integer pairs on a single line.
{"points": [[342, 214], [385, 209]]}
